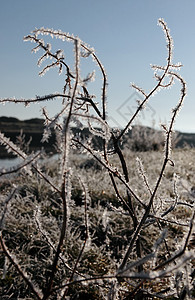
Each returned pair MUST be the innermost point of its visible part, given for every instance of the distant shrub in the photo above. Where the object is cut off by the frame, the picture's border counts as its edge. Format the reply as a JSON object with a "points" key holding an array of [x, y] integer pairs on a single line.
{"points": [[141, 138], [145, 139], [63, 235]]}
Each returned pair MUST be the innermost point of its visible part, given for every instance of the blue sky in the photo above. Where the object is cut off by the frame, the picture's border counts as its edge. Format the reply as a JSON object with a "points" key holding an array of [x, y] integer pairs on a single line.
{"points": [[127, 40]]}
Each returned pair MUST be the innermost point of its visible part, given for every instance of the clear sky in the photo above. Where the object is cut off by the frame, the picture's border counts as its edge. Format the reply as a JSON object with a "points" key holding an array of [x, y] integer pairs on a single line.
{"points": [[127, 40]]}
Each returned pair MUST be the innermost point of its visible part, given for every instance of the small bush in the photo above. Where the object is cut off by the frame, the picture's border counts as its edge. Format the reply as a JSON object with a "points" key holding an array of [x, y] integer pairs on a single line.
{"points": [[106, 227]]}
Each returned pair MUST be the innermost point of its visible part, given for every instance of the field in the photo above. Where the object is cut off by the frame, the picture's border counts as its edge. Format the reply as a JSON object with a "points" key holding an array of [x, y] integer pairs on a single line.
{"points": [[28, 235]]}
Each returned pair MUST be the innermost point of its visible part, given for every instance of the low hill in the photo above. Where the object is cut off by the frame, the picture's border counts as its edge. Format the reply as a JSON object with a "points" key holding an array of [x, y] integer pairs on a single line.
{"points": [[33, 129], [30, 130]]}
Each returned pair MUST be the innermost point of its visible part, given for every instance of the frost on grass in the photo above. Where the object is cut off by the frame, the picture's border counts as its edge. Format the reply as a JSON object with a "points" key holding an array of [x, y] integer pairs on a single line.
{"points": [[101, 220]]}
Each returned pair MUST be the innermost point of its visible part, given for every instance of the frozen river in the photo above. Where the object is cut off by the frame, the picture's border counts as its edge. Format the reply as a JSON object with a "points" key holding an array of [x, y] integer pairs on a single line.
{"points": [[9, 162]]}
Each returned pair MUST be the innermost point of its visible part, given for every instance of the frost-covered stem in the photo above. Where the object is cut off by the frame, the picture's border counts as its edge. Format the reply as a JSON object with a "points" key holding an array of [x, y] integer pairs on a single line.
{"points": [[45, 235], [160, 82], [58, 251], [167, 143], [121, 157], [139, 227], [135, 223], [66, 129], [115, 141], [34, 100], [130, 206], [125, 182], [51, 97], [63, 188], [107, 167], [118, 194], [168, 221], [103, 88], [46, 179], [84, 243], [75, 40], [60, 243], [20, 271], [47, 52], [133, 215], [104, 80], [181, 252], [140, 107], [150, 191], [166, 160]]}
